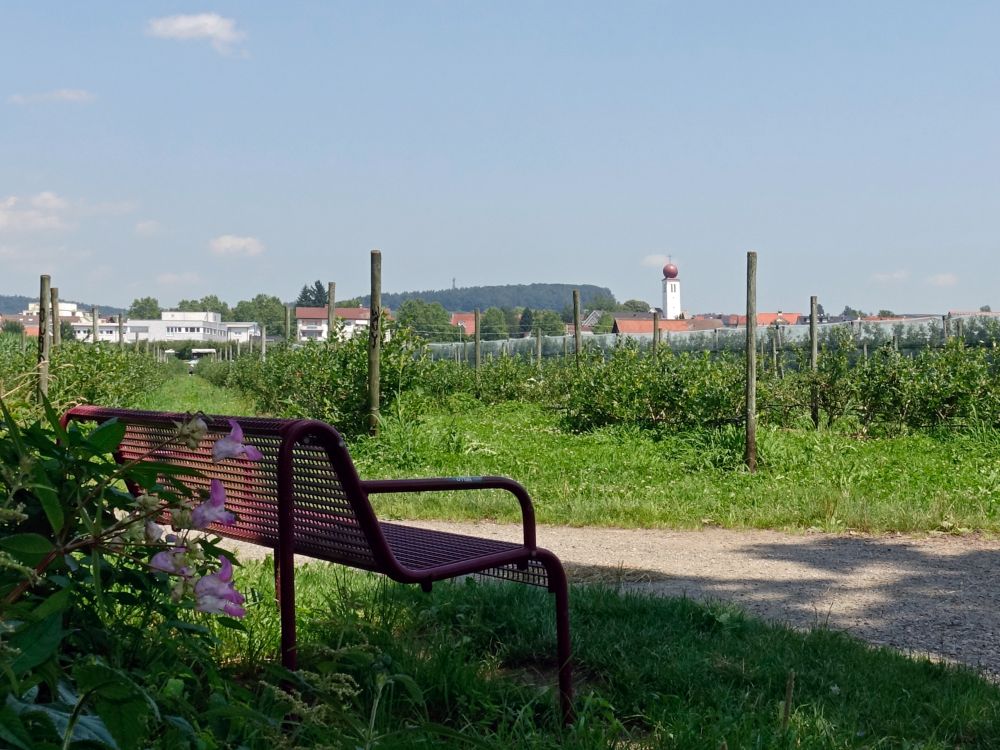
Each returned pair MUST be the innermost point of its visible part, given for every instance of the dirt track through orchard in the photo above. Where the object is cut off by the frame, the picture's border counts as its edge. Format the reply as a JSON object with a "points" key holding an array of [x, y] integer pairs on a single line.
{"points": [[937, 595]]}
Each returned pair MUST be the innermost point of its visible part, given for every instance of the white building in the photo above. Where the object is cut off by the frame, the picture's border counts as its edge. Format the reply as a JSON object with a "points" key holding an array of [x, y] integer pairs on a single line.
{"points": [[172, 326], [671, 293], [243, 331]]}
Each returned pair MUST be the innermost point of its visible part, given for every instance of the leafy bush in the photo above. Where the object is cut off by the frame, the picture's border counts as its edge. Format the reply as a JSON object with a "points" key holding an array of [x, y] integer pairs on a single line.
{"points": [[630, 387], [101, 646], [326, 382], [78, 373]]}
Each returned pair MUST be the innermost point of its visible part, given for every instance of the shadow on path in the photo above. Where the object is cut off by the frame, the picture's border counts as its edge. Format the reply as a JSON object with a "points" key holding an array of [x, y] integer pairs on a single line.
{"points": [[933, 595]]}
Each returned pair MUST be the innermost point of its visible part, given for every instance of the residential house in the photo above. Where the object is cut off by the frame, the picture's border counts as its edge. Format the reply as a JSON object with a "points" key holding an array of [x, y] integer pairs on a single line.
{"points": [[311, 322], [637, 324], [766, 319], [466, 321]]}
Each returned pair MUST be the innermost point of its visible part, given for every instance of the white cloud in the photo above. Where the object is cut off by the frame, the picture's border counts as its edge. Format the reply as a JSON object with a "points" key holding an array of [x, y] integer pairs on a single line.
{"points": [[655, 261], [943, 279], [892, 277], [45, 211], [147, 227], [77, 96], [220, 31], [48, 201], [230, 244], [187, 277]]}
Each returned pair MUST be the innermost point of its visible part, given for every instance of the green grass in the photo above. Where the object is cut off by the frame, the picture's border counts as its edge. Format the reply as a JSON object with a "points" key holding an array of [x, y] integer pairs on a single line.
{"points": [[182, 393], [472, 665], [626, 477], [630, 478], [650, 672]]}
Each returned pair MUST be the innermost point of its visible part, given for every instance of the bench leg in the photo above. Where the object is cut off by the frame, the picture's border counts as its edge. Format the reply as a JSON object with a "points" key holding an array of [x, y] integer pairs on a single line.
{"points": [[559, 586], [284, 590]]}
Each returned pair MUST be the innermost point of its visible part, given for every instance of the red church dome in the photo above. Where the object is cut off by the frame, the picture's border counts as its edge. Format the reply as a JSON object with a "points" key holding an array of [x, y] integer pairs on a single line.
{"points": [[670, 271]]}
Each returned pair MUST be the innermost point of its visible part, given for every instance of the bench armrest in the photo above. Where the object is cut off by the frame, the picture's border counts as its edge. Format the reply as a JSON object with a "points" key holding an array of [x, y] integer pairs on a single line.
{"points": [[449, 484]]}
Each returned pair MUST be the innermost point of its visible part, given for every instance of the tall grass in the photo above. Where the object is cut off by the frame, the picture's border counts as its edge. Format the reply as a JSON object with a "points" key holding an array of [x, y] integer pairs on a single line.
{"points": [[478, 659], [620, 475]]}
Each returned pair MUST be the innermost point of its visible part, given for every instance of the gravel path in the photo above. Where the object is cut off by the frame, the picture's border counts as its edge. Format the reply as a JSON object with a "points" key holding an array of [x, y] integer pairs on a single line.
{"points": [[936, 595]]}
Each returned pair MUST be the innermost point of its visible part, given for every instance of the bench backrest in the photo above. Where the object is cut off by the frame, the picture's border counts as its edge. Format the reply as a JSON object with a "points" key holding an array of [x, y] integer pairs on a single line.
{"points": [[305, 468]]}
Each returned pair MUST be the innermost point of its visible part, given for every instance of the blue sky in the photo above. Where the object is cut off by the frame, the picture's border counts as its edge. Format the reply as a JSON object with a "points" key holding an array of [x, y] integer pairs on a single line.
{"points": [[178, 150]]}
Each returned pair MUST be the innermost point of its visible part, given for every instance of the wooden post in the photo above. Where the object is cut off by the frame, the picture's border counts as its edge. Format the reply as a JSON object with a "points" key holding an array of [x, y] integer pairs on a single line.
{"points": [[44, 341], [263, 341], [94, 327], [576, 324], [864, 350], [946, 327], [121, 331], [750, 455], [56, 330], [288, 322], [239, 348], [478, 349], [656, 333], [538, 346], [374, 343], [814, 359], [960, 329], [331, 310], [774, 349], [565, 346]]}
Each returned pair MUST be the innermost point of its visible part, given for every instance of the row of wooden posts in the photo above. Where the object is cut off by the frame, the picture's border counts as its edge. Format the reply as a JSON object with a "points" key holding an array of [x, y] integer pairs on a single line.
{"points": [[49, 336]]}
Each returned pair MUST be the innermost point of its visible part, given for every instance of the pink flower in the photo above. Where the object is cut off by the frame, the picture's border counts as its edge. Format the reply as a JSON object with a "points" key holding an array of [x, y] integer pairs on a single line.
{"points": [[213, 510], [231, 446], [171, 561], [215, 593]]}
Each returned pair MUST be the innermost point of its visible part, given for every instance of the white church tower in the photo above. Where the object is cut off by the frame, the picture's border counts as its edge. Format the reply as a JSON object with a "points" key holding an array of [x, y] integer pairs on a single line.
{"points": [[671, 293]]}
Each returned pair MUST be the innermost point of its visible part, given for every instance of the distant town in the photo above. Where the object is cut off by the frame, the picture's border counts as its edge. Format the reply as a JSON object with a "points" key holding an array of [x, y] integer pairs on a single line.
{"points": [[212, 322]]}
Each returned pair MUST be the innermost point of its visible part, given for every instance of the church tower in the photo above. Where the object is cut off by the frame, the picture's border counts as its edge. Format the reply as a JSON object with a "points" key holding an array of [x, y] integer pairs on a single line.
{"points": [[671, 293]]}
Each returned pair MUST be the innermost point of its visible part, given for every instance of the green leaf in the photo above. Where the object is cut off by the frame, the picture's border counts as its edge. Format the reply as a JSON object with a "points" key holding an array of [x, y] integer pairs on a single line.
{"points": [[12, 429], [86, 729], [28, 549], [36, 642], [49, 499], [107, 437], [12, 730], [122, 704], [54, 420], [53, 604]]}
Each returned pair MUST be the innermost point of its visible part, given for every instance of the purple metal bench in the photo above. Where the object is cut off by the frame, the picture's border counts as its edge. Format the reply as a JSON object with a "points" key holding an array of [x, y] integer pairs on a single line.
{"points": [[305, 496]]}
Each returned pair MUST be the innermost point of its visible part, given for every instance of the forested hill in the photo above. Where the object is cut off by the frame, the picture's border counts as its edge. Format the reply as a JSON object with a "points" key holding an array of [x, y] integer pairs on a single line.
{"points": [[535, 296], [14, 303], [11, 304]]}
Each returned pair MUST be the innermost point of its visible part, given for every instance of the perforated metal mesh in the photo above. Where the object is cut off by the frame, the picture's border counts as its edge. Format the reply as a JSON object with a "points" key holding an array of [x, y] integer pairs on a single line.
{"points": [[533, 574], [325, 523], [251, 486]]}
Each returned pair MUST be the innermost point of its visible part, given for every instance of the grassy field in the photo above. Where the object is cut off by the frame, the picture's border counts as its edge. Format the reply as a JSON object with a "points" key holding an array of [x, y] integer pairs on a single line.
{"points": [[627, 477], [472, 664], [478, 658], [184, 393]]}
